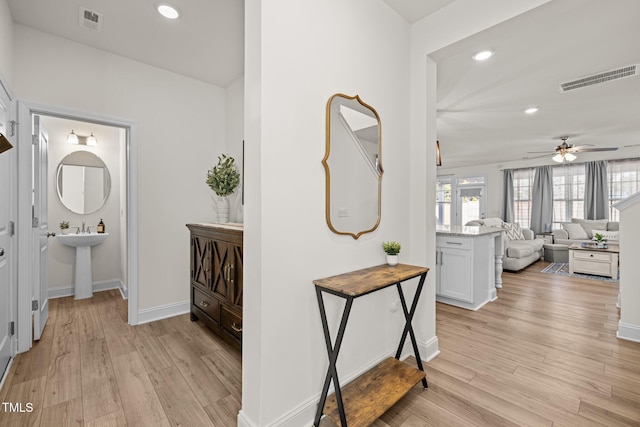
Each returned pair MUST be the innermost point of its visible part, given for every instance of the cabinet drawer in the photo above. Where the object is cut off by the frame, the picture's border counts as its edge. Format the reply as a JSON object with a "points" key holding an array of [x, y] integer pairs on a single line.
{"points": [[592, 256], [453, 242], [206, 303], [599, 268], [231, 322]]}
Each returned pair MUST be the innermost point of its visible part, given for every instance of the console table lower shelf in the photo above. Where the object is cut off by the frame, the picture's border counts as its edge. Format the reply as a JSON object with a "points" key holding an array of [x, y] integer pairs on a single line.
{"points": [[370, 395]]}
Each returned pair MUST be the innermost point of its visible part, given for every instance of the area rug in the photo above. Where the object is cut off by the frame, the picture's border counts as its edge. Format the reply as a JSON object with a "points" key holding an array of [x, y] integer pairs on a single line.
{"points": [[562, 268]]}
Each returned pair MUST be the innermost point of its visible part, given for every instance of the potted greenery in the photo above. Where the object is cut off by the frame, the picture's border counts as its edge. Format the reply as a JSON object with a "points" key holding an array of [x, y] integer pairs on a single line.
{"points": [[64, 227], [601, 242], [392, 249], [223, 179]]}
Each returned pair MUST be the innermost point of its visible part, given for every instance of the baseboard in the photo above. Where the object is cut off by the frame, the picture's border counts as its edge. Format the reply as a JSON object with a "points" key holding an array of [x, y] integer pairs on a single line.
{"points": [[628, 332], [5, 374], [124, 290], [162, 312], [68, 291], [303, 414]]}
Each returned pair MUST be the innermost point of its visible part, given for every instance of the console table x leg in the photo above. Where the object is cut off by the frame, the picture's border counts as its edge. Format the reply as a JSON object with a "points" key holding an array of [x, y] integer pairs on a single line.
{"points": [[332, 351], [408, 328]]}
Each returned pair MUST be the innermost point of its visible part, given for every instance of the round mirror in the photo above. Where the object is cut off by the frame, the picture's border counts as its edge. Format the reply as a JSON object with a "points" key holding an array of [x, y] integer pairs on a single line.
{"points": [[83, 182]]}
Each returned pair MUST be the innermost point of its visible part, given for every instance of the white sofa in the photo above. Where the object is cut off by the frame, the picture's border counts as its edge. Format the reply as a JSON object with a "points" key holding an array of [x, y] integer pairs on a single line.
{"points": [[582, 230], [519, 253]]}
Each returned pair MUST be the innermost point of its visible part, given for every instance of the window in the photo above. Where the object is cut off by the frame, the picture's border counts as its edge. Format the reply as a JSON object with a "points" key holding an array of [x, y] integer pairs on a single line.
{"points": [[568, 193], [624, 180], [522, 184], [443, 202]]}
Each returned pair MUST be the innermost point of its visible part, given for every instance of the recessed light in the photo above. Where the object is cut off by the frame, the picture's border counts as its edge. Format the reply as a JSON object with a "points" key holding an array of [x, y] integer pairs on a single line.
{"points": [[531, 110], [168, 11], [481, 56]]}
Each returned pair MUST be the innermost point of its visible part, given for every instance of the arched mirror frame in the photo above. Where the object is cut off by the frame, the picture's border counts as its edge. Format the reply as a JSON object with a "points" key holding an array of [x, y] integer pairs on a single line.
{"points": [[325, 164], [99, 163]]}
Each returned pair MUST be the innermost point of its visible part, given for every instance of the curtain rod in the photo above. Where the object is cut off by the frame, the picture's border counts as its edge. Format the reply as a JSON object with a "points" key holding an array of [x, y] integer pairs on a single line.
{"points": [[573, 163]]}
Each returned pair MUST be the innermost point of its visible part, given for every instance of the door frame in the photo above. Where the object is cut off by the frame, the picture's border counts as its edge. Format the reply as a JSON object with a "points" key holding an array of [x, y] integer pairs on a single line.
{"points": [[25, 109]]}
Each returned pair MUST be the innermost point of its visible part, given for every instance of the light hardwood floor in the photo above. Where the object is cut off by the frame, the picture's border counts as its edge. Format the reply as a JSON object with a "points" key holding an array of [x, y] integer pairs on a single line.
{"points": [[544, 354], [92, 369]]}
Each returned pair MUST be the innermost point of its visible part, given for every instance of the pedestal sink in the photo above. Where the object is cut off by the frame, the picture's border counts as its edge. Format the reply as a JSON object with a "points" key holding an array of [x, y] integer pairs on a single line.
{"points": [[82, 243]]}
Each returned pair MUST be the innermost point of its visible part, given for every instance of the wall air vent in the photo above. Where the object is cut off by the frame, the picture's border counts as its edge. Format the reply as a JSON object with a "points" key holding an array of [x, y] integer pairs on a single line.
{"points": [[90, 20], [605, 76]]}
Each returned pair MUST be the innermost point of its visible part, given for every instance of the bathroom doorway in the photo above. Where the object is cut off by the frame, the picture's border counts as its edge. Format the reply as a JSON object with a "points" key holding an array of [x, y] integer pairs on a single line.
{"points": [[112, 199], [87, 185]]}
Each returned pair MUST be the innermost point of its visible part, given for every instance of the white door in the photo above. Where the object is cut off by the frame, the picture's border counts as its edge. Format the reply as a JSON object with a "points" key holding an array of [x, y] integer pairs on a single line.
{"points": [[6, 274], [471, 203], [40, 230]]}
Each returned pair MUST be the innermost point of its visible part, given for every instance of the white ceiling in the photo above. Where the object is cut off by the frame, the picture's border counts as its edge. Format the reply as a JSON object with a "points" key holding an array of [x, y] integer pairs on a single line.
{"points": [[206, 43], [480, 118], [480, 105]]}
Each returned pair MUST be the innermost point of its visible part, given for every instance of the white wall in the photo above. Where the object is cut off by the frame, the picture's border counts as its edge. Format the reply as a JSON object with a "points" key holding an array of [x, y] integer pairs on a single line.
{"points": [[105, 256], [235, 136], [293, 66], [629, 324], [180, 124], [6, 44]]}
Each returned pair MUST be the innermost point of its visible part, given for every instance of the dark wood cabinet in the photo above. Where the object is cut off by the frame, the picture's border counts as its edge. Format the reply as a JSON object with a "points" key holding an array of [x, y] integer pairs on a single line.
{"points": [[217, 278]]}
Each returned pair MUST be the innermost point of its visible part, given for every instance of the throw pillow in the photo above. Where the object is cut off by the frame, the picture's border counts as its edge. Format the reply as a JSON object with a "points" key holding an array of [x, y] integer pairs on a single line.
{"points": [[590, 224], [608, 235], [575, 231], [512, 231]]}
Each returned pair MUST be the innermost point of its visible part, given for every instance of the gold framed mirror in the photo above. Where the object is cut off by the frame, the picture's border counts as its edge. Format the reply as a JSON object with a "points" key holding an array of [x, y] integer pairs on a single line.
{"points": [[353, 166]]}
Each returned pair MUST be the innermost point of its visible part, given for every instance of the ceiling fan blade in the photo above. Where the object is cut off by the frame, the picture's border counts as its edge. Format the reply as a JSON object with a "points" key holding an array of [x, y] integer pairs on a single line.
{"points": [[537, 157], [540, 152], [587, 150]]}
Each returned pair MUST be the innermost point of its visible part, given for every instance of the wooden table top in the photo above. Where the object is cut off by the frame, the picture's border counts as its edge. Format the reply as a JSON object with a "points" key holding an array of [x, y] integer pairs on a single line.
{"points": [[361, 282], [611, 247]]}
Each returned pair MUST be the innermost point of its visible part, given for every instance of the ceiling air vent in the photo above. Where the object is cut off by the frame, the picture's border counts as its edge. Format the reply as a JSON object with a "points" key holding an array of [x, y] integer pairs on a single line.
{"points": [[91, 20], [605, 76]]}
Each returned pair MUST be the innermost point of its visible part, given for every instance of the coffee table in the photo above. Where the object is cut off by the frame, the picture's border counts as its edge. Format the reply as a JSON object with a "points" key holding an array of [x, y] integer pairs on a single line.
{"points": [[598, 261]]}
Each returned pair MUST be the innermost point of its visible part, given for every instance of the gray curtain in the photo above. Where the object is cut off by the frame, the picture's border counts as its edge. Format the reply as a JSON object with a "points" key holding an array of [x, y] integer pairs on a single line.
{"points": [[542, 199], [508, 214], [596, 191]]}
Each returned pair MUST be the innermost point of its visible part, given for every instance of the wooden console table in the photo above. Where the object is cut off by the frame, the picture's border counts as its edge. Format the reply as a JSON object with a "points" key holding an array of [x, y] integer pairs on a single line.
{"points": [[369, 396]]}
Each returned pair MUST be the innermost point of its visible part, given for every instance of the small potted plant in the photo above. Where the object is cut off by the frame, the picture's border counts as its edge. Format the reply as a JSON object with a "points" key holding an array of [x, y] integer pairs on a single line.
{"points": [[64, 227], [601, 242], [223, 180], [392, 249]]}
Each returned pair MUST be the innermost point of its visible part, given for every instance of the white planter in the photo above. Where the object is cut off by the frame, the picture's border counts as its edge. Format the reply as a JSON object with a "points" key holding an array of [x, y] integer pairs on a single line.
{"points": [[221, 207], [64, 231], [392, 259]]}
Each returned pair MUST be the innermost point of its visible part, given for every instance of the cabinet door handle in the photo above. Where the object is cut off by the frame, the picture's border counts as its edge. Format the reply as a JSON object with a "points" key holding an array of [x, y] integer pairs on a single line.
{"points": [[231, 267], [206, 265], [204, 304], [236, 327], [454, 243]]}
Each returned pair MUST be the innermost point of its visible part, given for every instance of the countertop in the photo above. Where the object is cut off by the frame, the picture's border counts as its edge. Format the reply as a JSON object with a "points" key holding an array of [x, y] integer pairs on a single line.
{"points": [[229, 225], [465, 231]]}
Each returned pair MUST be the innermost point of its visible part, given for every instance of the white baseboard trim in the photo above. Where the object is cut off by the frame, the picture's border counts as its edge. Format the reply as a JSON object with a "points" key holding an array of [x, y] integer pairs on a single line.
{"points": [[5, 374], [124, 290], [628, 332], [162, 312], [68, 291], [303, 414]]}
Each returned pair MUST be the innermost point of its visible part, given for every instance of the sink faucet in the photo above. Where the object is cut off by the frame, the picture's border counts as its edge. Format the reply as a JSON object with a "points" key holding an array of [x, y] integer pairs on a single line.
{"points": [[83, 229]]}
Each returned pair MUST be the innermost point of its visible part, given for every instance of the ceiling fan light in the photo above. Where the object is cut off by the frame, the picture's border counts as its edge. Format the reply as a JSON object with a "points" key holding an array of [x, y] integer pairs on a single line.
{"points": [[570, 157], [558, 158]]}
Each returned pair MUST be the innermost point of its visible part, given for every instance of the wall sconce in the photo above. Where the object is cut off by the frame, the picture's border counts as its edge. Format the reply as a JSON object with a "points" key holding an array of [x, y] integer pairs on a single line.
{"points": [[438, 156], [90, 140], [4, 144]]}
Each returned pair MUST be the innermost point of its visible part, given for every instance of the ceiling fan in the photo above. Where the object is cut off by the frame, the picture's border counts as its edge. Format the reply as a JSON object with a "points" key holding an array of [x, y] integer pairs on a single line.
{"points": [[566, 152]]}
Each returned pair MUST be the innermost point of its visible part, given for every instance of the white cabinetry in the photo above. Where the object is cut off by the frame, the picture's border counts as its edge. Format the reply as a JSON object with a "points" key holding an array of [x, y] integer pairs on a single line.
{"points": [[453, 270], [468, 267]]}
